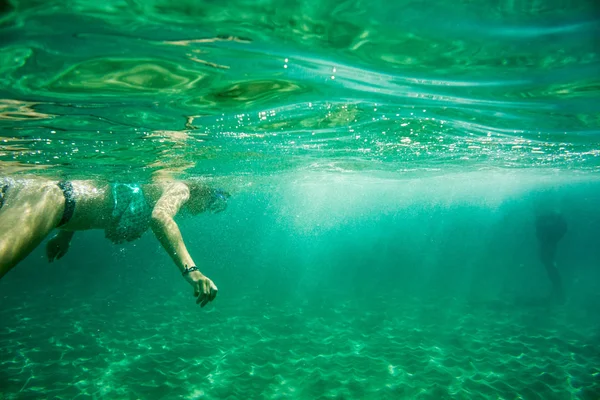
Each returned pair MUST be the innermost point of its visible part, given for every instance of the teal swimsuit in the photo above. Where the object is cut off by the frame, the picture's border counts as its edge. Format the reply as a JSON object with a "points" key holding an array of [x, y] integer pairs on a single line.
{"points": [[131, 213]]}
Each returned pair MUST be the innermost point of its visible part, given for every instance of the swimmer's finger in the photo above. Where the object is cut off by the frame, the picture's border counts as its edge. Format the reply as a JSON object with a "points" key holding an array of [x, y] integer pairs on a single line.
{"points": [[213, 292], [208, 296], [200, 298], [205, 297]]}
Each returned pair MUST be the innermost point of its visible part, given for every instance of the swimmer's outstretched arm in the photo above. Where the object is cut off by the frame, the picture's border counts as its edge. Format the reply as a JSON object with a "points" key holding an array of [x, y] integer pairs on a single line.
{"points": [[168, 234]]}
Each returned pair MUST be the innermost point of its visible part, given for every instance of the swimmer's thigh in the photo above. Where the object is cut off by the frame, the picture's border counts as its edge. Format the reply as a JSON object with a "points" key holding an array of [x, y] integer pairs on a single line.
{"points": [[28, 216]]}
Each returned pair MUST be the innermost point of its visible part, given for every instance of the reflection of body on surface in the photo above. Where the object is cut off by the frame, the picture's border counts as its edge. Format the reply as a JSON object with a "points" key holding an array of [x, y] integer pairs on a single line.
{"points": [[550, 229], [31, 208]]}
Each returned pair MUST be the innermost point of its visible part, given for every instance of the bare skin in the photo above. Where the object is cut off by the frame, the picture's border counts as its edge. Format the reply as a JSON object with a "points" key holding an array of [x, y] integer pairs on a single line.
{"points": [[34, 208]]}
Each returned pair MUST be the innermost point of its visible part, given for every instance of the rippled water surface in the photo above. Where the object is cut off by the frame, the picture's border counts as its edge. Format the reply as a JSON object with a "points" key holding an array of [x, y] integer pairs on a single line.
{"points": [[249, 86]]}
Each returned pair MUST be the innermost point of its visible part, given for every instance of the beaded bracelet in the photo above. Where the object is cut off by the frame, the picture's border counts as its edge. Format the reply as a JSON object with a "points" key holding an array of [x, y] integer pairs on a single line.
{"points": [[190, 269]]}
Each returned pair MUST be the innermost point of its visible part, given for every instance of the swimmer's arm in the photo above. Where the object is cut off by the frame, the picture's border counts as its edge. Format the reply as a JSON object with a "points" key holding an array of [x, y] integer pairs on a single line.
{"points": [[165, 228], [65, 235], [58, 245]]}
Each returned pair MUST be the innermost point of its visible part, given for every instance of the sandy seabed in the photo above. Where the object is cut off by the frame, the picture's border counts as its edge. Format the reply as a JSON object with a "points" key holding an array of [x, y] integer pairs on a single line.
{"points": [[388, 349]]}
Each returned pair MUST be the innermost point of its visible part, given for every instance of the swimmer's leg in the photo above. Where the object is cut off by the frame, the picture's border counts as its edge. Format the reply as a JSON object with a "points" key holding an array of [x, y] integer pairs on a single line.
{"points": [[28, 216], [547, 255]]}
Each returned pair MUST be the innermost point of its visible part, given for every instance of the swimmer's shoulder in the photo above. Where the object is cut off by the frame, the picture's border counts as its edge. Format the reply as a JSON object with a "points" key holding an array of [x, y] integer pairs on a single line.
{"points": [[155, 190]]}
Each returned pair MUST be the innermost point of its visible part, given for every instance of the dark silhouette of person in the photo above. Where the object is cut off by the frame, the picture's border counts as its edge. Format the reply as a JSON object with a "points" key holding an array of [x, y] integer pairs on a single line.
{"points": [[550, 229]]}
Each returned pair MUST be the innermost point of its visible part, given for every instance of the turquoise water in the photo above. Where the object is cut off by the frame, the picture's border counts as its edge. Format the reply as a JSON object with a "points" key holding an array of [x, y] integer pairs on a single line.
{"points": [[121, 87], [386, 163]]}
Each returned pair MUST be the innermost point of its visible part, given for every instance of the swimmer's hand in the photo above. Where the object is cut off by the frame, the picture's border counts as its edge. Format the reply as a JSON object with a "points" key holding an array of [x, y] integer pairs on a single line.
{"points": [[58, 246], [204, 289]]}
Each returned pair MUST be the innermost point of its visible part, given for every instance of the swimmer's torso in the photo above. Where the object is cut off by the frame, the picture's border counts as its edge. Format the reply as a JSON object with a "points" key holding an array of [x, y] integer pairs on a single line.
{"points": [[94, 204], [93, 207]]}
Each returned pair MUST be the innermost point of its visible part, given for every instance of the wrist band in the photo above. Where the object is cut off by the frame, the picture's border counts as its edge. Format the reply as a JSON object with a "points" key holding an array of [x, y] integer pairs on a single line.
{"points": [[190, 269]]}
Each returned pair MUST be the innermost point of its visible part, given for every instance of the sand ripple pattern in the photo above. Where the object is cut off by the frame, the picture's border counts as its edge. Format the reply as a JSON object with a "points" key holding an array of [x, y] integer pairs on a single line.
{"points": [[406, 349]]}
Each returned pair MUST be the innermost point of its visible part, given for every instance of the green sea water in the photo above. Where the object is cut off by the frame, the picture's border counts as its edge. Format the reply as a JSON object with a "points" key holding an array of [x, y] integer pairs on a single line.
{"points": [[386, 162]]}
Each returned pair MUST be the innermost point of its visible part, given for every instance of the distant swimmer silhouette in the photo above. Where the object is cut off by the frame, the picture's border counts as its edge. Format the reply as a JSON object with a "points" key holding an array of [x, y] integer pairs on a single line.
{"points": [[550, 229], [31, 208]]}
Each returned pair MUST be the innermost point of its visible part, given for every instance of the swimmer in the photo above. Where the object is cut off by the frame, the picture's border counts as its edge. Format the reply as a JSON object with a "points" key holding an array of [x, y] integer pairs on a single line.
{"points": [[550, 229], [31, 208]]}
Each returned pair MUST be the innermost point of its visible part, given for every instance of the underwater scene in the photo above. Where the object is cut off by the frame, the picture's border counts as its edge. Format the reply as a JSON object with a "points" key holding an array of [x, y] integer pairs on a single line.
{"points": [[301, 199]]}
